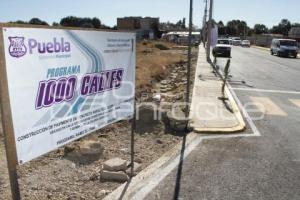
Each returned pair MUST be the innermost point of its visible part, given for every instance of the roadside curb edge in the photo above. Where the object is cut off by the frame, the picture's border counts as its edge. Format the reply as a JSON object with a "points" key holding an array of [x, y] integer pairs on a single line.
{"points": [[235, 129]]}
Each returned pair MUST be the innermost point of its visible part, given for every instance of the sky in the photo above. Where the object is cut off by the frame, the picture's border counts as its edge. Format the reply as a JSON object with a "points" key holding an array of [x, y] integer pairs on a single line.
{"points": [[268, 12]]}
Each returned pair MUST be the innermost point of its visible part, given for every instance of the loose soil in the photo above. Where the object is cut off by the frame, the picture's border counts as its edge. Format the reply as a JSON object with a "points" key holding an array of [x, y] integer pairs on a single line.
{"points": [[57, 175]]}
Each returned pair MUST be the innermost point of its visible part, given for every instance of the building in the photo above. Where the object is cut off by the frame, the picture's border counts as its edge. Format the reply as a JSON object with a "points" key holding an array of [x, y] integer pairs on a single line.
{"points": [[264, 40], [181, 37], [295, 33], [129, 23], [145, 28]]}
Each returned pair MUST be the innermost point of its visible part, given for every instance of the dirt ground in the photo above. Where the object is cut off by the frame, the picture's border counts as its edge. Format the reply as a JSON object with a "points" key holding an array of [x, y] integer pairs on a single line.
{"points": [[57, 175]]}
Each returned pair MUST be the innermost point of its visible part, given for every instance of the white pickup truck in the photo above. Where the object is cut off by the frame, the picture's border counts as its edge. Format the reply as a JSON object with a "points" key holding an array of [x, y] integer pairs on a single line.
{"points": [[222, 49]]}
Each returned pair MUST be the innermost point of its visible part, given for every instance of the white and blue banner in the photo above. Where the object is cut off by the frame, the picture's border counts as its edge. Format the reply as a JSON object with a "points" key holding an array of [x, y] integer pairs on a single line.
{"points": [[65, 84]]}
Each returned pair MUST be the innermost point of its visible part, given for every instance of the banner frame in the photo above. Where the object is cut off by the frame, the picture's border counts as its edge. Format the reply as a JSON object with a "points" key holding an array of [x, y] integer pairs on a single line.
{"points": [[7, 123]]}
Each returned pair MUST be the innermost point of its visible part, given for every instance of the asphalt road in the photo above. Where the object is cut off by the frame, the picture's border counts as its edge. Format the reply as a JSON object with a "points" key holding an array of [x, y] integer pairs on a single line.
{"points": [[265, 167]]}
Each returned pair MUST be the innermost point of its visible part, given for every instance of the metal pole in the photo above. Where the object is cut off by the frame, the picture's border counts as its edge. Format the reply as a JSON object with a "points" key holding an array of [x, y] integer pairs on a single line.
{"points": [[209, 30], [133, 123], [204, 35], [189, 60]]}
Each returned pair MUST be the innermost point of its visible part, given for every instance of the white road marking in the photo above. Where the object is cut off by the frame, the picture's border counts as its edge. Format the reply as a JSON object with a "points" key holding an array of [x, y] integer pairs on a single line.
{"points": [[245, 113], [267, 106], [267, 91], [296, 102]]}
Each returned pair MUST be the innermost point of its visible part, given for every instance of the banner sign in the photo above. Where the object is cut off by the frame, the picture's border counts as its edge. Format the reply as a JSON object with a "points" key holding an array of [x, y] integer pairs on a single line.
{"points": [[65, 84], [214, 36]]}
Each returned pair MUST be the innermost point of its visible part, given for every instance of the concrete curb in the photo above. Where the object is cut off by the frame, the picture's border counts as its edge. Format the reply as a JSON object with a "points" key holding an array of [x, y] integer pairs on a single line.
{"points": [[261, 48], [235, 129]]}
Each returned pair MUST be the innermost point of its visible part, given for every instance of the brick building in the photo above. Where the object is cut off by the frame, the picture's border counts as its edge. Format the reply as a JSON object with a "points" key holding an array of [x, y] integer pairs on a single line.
{"points": [[145, 28]]}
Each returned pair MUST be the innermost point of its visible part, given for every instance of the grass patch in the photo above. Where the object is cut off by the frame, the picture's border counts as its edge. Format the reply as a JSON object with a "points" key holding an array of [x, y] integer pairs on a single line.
{"points": [[151, 63]]}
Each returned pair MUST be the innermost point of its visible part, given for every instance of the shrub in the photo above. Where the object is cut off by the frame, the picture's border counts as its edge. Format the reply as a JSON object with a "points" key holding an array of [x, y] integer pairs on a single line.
{"points": [[161, 46]]}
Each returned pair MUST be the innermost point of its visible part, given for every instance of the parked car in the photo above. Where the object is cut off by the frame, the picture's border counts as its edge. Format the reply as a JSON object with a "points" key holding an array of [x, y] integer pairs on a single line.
{"points": [[236, 41], [245, 43], [222, 49], [284, 47]]}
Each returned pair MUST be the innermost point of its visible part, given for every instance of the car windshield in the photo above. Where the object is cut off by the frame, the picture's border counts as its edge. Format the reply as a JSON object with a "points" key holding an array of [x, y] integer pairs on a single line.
{"points": [[288, 43], [223, 41]]}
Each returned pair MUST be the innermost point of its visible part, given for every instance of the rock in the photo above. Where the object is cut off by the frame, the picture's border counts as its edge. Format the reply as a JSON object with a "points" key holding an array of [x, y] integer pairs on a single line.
{"points": [[115, 164], [95, 175], [91, 148], [158, 141], [167, 89], [69, 149], [101, 193], [164, 90], [138, 160], [164, 82], [51, 188], [163, 86], [119, 176], [125, 150], [177, 119], [49, 195], [157, 97], [35, 187], [137, 168], [87, 152]]}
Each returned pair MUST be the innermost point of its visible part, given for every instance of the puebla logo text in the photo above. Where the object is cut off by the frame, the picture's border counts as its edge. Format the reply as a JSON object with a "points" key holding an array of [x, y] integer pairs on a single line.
{"points": [[18, 49]]}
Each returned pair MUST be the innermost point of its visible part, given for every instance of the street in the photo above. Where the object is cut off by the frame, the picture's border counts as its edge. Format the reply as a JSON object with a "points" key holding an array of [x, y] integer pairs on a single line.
{"points": [[263, 167]]}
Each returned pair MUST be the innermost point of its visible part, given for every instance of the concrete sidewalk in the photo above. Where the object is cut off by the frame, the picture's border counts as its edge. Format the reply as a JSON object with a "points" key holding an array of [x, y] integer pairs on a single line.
{"points": [[208, 113]]}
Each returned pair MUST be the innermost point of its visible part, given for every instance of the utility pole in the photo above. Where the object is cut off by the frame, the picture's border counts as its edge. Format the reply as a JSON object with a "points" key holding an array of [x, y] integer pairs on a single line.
{"points": [[204, 32], [189, 60], [209, 30]]}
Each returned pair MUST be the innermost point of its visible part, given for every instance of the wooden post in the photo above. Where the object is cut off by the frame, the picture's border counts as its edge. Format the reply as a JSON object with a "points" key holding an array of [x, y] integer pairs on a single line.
{"points": [[7, 123]]}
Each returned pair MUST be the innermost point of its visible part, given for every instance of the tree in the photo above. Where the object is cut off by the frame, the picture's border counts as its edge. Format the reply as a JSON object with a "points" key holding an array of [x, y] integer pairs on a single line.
{"points": [[260, 29], [183, 26], [282, 28], [37, 21], [18, 22], [179, 24], [70, 21], [237, 28], [55, 24], [96, 23], [296, 25], [85, 22], [221, 28]]}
